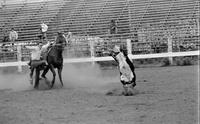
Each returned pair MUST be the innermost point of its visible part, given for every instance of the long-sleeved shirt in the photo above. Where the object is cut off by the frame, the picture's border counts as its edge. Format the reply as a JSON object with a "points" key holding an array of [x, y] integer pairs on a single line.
{"points": [[44, 27], [37, 51], [13, 35]]}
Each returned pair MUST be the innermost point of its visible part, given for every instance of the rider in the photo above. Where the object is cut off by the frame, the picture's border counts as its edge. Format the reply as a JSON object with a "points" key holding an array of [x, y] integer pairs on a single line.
{"points": [[36, 58]]}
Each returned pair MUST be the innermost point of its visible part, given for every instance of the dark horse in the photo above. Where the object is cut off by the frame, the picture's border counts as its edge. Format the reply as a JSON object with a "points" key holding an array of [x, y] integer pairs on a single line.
{"points": [[54, 59]]}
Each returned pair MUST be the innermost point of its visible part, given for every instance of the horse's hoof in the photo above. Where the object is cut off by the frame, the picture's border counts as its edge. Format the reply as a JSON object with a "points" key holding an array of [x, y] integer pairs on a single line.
{"points": [[51, 86], [48, 83], [43, 77], [36, 87], [134, 84], [31, 81], [125, 94]]}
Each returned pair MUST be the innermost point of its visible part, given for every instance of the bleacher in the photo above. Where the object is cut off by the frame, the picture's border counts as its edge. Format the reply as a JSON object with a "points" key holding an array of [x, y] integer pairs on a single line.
{"points": [[142, 21], [26, 17], [92, 17]]}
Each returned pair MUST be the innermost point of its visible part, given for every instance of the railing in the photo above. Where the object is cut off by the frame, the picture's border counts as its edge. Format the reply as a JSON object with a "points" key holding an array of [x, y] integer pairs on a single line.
{"points": [[91, 49], [148, 23]]}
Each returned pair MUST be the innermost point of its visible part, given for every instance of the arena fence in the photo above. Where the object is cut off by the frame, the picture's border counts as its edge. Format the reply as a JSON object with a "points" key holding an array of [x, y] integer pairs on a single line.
{"points": [[91, 49]]}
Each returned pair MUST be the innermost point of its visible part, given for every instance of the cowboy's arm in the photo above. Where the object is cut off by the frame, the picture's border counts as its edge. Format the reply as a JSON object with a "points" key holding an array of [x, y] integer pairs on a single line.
{"points": [[44, 47], [31, 47]]}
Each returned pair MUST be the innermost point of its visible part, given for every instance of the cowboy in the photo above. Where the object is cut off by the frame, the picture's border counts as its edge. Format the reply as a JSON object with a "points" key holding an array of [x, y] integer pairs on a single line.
{"points": [[13, 35], [36, 58], [126, 67], [5, 38]]}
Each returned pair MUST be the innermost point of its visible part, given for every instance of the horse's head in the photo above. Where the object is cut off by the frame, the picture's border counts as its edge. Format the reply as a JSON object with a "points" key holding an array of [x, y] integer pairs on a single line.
{"points": [[60, 40]]}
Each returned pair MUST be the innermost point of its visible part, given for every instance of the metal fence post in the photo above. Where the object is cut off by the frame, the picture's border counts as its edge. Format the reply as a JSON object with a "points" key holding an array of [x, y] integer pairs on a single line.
{"points": [[91, 42], [129, 46], [19, 57], [170, 49]]}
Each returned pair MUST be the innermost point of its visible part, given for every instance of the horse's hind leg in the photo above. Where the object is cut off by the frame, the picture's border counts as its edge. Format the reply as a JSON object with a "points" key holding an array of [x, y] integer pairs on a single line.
{"points": [[37, 78], [45, 72], [134, 80], [60, 75], [31, 76], [54, 75]]}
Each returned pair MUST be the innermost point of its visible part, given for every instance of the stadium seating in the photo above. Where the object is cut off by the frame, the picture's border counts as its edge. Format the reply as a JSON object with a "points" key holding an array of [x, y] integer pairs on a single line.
{"points": [[26, 17], [136, 19]]}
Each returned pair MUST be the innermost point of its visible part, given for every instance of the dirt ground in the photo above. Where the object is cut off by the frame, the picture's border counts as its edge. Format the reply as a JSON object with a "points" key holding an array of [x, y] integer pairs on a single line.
{"points": [[163, 95]]}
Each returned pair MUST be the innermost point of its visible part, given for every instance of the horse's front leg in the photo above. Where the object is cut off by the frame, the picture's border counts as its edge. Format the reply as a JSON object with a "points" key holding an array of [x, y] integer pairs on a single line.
{"points": [[31, 76], [45, 72], [54, 75], [60, 75]]}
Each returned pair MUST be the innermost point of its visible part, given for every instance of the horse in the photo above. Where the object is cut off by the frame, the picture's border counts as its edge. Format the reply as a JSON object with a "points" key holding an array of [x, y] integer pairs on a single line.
{"points": [[55, 59], [126, 69]]}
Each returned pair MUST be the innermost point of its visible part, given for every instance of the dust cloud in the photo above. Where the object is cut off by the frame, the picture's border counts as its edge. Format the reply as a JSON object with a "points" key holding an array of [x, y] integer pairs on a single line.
{"points": [[87, 76], [79, 76], [14, 81]]}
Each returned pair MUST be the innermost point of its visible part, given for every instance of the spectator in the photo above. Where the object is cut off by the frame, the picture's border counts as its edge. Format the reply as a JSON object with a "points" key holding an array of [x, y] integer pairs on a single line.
{"points": [[2, 4], [43, 30], [5, 38], [113, 27], [13, 36]]}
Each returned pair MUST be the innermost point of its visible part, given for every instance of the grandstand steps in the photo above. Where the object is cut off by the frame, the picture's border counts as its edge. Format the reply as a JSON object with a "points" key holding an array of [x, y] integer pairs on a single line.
{"points": [[87, 19], [31, 15], [92, 17], [60, 18]]}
